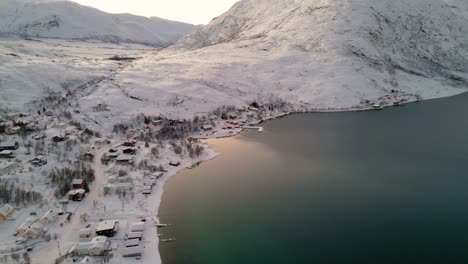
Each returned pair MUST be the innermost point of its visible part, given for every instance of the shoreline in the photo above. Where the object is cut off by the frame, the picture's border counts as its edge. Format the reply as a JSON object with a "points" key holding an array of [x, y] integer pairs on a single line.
{"points": [[214, 154], [148, 206]]}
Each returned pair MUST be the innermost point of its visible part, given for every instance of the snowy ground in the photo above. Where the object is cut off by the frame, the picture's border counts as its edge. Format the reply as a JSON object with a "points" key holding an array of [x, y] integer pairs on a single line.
{"points": [[263, 52], [30, 69], [105, 92]]}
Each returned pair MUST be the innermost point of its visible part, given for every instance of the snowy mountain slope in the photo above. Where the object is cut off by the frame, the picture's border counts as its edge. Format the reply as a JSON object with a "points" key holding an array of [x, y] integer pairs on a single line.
{"points": [[316, 54], [31, 70], [68, 20]]}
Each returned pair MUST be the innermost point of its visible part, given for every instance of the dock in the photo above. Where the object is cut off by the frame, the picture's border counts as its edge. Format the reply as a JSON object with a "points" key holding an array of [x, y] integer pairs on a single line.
{"points": [[167, 240], [258, 128], [162, 225]]}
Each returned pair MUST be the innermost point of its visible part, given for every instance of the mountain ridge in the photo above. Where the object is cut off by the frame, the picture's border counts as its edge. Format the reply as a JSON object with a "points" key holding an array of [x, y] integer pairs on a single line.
{"points": [[69, 20], [315, 54]]}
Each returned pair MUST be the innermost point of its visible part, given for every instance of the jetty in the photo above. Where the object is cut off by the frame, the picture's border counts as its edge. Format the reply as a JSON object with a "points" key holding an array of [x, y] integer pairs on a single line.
{"points": [[258, 128], [167, 240], [162, 225]]}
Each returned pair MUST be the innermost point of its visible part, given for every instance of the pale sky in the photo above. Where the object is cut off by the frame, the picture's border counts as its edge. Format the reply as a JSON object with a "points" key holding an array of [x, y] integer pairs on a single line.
{"points": [[190, 11]]}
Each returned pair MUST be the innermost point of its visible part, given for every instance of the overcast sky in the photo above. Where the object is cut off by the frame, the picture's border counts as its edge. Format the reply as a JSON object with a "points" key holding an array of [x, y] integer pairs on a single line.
{"points": [[190, 11]]}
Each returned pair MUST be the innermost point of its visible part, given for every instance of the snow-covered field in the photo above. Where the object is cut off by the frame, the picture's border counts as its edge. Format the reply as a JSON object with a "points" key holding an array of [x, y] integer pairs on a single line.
{"points": [[284, 55], [31, 69]]}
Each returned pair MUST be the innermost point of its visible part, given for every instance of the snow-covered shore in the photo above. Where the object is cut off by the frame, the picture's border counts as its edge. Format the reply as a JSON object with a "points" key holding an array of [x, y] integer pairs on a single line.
{"points": [[263, 58]]}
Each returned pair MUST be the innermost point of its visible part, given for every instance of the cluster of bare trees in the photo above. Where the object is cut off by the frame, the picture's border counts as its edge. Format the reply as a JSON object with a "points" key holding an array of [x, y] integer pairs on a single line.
{"points": [[167, 129], [172, 129], [62, 178], [9, 193], [225, 111], [16, 257], [120, 128], [194, 150], [66, 115], [53, 100], [176, 147], [146, 165]]}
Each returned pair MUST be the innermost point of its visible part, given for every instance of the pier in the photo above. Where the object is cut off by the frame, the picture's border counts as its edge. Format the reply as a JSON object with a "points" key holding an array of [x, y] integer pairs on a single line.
{"points": [[162, 225], [167, 240], [258, 128]]}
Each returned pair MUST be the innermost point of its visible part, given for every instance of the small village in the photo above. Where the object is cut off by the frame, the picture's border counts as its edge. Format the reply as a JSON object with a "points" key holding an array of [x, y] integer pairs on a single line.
{"points": [[84, 198], [93, 198]]}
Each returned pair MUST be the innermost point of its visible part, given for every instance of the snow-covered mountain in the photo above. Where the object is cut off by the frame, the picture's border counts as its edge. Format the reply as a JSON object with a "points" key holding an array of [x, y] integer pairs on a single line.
{"points": [[314, 54], [318, 54], [68, 20]]}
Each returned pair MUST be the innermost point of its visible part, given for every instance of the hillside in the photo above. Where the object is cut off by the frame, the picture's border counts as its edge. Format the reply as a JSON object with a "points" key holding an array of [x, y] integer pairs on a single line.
{"points": [[68, 20], [317, 55]]}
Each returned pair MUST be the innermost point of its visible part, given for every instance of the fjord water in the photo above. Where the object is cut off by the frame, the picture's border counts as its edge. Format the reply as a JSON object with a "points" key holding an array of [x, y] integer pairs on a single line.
{"points": [[359, 187]]}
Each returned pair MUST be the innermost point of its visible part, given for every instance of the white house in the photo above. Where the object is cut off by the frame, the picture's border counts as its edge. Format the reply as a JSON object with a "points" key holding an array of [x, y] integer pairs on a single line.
{"points": [[138, 227], [34, 231], [26, 224], [5, 211], [132, 251], [135, 235], [132, 243], [97, 247], [207, 127]]}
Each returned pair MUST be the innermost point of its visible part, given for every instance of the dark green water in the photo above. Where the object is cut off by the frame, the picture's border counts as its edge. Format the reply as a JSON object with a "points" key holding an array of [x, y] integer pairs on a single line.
{"points": [[368, 187]]}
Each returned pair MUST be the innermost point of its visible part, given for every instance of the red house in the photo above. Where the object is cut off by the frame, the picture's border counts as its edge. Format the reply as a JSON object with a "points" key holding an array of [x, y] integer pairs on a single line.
{"points": [[78, 184], [128, 144]]}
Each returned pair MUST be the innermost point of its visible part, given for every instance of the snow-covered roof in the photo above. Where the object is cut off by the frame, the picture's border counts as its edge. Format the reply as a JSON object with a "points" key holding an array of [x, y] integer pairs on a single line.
{"points": [[149, 182], [77, 181], [132, 251], [49, 215], [106, 225], [132, 242], [85, 231], [36, 227], [112, 154], [8, 144], [6, 152], [136, 227], [27, 223], [99, 243], [124, 158], [31, 219], [33, 232], [39, 157], [158, 174], [6, 209], [99, 239], [75, 192], [133, 235]]}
